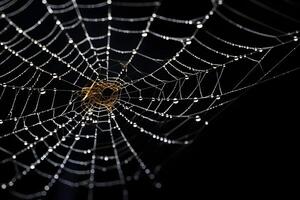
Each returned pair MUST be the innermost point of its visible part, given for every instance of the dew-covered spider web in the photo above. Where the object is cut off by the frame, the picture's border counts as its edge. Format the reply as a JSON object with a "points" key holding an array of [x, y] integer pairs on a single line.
{"points": [[91, 91]]}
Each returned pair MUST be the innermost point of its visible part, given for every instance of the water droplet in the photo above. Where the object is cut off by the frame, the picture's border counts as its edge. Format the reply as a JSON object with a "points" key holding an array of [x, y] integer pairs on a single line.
{"points": [[158, 185], [188, 42], [197, 118], [3, 186], [42, 91], [296, 38], [46, 188], [175, 101], [144, 34], [199, 25]]}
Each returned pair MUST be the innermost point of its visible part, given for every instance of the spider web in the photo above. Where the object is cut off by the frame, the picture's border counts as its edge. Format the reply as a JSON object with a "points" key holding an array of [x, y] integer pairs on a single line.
{"points": [[174, 73]]}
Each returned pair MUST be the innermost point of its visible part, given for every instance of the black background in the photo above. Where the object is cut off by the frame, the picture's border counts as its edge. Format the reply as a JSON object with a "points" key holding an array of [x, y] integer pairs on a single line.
{"points": [[249, 150]]}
